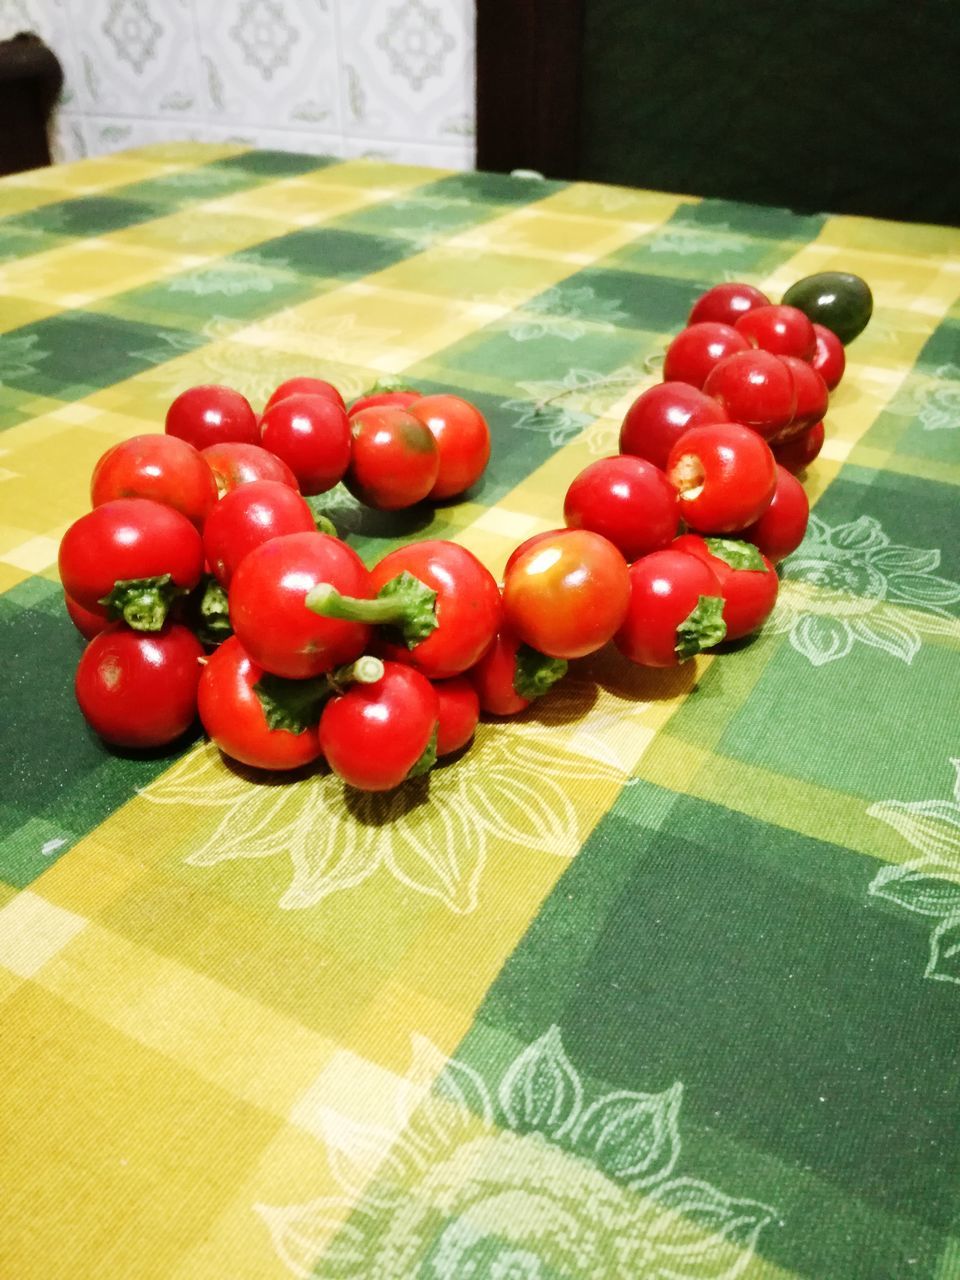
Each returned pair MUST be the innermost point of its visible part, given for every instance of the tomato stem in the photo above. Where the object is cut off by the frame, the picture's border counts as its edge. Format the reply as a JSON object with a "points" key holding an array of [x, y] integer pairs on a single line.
{"points": [[143, 603], [404, 602], [366, 670]]}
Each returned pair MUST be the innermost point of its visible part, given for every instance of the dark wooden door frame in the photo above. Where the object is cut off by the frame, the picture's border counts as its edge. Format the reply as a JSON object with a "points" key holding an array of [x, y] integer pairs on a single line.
{"points": [[529, 54]]}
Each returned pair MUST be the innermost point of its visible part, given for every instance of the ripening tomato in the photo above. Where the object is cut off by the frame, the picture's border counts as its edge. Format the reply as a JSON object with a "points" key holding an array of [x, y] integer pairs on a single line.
{"points": [[248, 517], [724, 475], [748, 580], [781, 528], [375, 736], [463, 440], [659, 417], [395, 460], [566, 594], [234, 464], [675, 610], [799, 451], [235, 719], [458, 713], [785, 331], [212, 414], [129, 538], [268, 610], [756, 388], [311, 434], [163, 468], [307, 387], [137, 689], [726, 303], [628, 500], [697, 349], [829, 357]]}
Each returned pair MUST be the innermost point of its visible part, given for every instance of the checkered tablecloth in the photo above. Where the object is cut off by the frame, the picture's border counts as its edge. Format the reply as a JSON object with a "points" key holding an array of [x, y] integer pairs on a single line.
{"points": [[660, 979]]}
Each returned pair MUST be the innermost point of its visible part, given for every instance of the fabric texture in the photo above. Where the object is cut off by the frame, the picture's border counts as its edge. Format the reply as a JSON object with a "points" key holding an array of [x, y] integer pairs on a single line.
{"points": [[658, 979]]}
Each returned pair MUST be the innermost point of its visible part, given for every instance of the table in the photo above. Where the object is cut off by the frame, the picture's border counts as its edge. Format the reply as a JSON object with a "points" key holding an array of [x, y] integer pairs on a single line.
{"points": [[659, 979]]}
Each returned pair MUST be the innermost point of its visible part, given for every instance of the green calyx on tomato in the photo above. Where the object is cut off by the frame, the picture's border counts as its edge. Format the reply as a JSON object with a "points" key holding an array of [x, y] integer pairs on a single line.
{"points": [[404, 603], [143, 603], [387, 383], [428, 759], [839, 300], [738, 555], [211, 623], [534, 673], [702, 628], [295, 705]]}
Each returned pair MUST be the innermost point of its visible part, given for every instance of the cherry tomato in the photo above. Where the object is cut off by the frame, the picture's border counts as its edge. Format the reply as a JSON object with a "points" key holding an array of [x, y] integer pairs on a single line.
{"points": [[395, 461], [510, 675], [696, 349], [660, 415], [163, 468], [87, 623], [247, 517], [375, 734], [459, 711], [139, 690], [396, 399], [755, 388], [781, 528], [234, 464], [628, 500], [234, 717], [466, 608], [797, 453], [675, 610], [463, 439], [308, 387], [268, 613], [726, 303], [311, 434], [525, 546], [812, 399], [783, 330], [829, 357], [725, 476], [126, 539], [566, 595], [212, 414], [748, 581]]}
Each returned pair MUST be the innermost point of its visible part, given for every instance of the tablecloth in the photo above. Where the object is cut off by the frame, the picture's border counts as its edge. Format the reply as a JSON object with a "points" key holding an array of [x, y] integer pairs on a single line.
{"points": [[659, 979]]}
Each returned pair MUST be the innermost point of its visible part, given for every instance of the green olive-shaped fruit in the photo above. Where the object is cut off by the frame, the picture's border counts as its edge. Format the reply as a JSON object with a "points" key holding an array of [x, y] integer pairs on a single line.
{"points": [[836, 299]]}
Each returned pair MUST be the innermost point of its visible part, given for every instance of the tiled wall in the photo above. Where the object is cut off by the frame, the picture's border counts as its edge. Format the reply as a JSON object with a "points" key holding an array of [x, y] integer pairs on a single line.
{"points": [[345, 77]]}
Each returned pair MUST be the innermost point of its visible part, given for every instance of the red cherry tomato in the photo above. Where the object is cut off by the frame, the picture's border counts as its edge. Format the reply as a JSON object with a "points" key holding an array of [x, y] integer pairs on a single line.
{"points": [[510, 675], [463, 439], [395, 399], [311, 434], [674, 611], [466, 608], [660, 415], [307, 387], [395, 461], [797, 453], [87, 623], [234, 464], [126, 539], [781, 528], [209, 415], [755, 388], [829, 357], [248, 517], [697, 349], [748, 580], [374, 734], [812, 398], [785, 331], [525, 546], [163, 468], [234, 717], [459, 711], [628, 500], [137, 689], [268, 613], [725, 476], [566, 595], [726, 303]]}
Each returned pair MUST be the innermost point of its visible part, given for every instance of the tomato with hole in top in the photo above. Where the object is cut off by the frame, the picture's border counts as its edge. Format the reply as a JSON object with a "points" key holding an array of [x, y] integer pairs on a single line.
{"points": [[234, 464], [463, 441], [726, 303], [212, 414], [395, 459], [725, 476], [628, 501], [660, 415], [311, 434], [162, 468], [697, 349]]}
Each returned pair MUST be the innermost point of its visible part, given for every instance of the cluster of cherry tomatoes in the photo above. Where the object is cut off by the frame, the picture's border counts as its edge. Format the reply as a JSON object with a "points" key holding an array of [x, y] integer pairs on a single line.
{"points": [[206, 584]]}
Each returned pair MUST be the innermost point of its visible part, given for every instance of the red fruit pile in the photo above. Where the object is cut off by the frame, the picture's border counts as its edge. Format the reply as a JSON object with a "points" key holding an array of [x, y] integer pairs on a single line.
{"points": [[204, 583]]}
